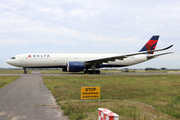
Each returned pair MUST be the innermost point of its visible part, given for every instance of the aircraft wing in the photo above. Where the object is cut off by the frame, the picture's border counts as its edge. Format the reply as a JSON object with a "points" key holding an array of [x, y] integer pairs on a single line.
{"points": [[121, 57]]}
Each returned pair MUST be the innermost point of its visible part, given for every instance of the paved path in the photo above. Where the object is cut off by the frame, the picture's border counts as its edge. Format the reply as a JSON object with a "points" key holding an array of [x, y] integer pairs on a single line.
{"points": [[28, 98]]}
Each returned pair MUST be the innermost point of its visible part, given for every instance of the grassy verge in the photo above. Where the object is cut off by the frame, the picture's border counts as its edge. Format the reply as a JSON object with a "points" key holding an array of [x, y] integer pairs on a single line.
{"points": [[104, 71], [52, 71], [5, 80], [56, 71], [151, 71], [13, 71], [140, 97], [132, 71]]}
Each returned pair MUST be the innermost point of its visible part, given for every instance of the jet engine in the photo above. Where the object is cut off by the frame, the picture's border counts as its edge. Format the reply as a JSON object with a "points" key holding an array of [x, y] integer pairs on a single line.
{"points": [[75, 66]]}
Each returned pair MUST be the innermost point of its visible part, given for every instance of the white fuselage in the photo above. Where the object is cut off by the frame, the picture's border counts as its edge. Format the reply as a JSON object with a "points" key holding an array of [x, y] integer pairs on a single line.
{"points": [[38, 60]]}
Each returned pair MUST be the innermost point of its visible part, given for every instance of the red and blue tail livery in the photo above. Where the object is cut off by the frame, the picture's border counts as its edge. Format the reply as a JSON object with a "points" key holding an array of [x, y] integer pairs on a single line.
{"points": [[151, 44]]}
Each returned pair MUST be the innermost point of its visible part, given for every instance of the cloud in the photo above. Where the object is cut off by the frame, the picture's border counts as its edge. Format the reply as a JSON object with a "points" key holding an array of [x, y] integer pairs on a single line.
{"points": [[7, 42], [95, 25]]}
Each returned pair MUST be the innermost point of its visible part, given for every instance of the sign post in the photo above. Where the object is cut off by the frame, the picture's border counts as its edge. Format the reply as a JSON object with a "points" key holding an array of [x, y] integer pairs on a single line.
{"points": [[90, 92]]}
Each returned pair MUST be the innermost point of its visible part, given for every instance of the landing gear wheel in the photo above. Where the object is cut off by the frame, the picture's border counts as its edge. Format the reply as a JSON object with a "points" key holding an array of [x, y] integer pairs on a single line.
{"points": [[98, 72], [93, 72], [25, 72], [85, 71]]}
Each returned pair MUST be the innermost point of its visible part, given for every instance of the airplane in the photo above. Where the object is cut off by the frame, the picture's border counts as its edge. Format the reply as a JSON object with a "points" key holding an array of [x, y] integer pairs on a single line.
{"points": [[89, 63]]}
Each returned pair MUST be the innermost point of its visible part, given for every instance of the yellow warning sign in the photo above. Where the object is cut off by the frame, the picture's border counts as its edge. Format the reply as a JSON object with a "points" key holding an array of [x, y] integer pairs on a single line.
{"points": [[90, 92]]}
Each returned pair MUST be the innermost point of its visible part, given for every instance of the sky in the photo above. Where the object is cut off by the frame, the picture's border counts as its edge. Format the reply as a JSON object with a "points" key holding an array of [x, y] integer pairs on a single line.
{"points": [[89, 26]]}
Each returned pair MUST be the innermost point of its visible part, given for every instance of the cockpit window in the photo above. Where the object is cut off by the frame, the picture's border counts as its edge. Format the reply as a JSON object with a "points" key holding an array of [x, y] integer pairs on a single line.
{"points": [[13, 58]]}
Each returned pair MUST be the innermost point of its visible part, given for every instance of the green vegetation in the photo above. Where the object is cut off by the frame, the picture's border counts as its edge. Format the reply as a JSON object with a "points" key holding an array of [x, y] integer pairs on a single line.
{"points": [[133, 71], [13, 71], [151, 71], [52, 71], [106, 71], [57, 71], [140, 97], [4, 80]]}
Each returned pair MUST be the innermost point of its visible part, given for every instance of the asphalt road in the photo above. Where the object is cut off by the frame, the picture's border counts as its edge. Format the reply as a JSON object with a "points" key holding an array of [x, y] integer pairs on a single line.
{"points": [[28, 98]]}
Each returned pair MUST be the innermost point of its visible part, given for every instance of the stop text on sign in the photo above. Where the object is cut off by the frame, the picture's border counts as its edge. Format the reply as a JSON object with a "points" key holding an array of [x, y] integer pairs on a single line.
{"points": [[91, 89], [90, 92]]}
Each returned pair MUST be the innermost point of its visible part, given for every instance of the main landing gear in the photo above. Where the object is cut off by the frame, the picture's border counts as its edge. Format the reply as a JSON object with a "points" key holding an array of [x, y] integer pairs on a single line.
{"points": [[25, 72], [92, 71]]}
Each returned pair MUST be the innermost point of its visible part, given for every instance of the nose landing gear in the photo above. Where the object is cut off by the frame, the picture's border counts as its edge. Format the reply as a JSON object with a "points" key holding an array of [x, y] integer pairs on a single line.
{"points": [[25, 72]]}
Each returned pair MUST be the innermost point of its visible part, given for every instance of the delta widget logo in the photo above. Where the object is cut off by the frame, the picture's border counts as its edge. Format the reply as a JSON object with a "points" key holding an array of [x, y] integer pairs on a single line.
{"points": [[29, 55]]}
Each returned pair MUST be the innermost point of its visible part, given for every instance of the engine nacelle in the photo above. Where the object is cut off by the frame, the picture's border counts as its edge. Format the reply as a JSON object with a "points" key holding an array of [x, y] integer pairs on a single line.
{"points": [[75, 66]]}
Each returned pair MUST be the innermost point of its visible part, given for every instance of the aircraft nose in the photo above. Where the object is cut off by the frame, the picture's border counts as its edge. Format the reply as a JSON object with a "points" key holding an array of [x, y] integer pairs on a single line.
{"points": [[8, 61]]}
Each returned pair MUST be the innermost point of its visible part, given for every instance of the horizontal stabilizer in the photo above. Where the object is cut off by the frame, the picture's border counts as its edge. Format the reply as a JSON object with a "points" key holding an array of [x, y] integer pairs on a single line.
{"points": [[154, 56], [149, 51]]}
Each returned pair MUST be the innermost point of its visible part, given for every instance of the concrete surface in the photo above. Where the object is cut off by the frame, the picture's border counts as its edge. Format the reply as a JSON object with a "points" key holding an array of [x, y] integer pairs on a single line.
{"points": [[28, 98]]}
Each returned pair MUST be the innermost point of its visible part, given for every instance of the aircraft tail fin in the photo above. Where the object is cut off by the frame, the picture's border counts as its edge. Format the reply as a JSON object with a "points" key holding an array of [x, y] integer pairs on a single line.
{"points": [[151, 44]]}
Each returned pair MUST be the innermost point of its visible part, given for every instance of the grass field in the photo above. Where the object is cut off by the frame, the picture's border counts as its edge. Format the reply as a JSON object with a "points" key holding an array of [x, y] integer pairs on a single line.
{"points": [[59, 71], [105, 71], [140, 97], [13, 71], [4, 80], [52, 71]]}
